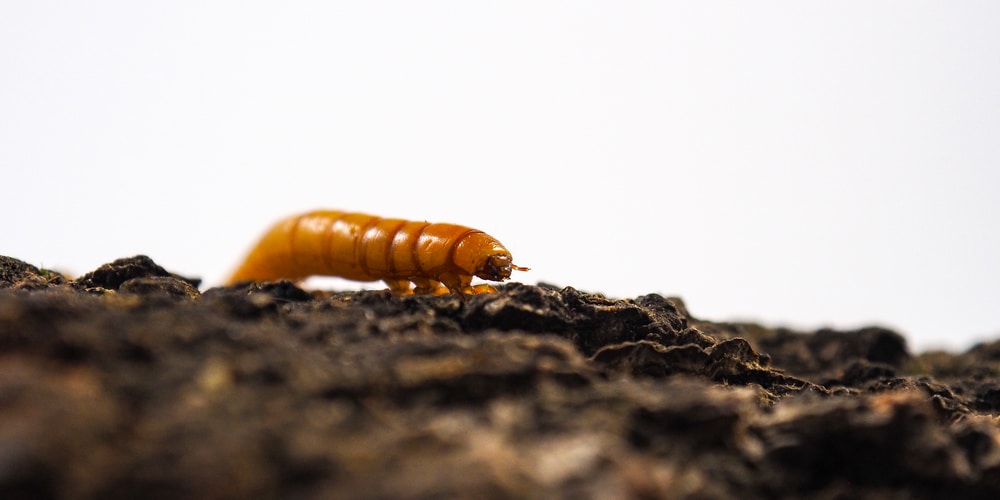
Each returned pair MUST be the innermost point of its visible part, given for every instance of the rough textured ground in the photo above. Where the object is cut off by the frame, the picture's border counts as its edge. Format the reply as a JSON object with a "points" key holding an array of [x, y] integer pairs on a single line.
{"points": [[130, 383]]}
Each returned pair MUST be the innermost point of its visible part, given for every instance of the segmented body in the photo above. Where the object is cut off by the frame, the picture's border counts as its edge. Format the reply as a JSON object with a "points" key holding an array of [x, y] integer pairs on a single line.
{"points": [[368, 248]]}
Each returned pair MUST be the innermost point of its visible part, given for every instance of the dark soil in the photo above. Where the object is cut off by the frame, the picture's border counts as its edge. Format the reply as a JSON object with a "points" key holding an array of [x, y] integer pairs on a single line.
{"points": [[130, 383]]}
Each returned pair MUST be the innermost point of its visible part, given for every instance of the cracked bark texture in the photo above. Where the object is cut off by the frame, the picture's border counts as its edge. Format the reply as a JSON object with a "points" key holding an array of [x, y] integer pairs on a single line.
{"points": [[130, 382]]}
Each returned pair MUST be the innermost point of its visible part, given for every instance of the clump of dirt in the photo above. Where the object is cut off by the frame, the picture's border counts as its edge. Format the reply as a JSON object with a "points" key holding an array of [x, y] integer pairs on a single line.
{"points": [[130, 382]]}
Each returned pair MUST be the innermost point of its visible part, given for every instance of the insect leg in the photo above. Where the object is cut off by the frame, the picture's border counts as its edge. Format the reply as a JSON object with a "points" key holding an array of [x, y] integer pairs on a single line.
{"points": [[462, 284], [428, 286], [399, 287], [480, 288]]}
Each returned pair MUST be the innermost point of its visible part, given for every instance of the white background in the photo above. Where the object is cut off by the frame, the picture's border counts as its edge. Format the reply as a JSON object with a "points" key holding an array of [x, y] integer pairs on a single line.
{"points": [[795, 163]]}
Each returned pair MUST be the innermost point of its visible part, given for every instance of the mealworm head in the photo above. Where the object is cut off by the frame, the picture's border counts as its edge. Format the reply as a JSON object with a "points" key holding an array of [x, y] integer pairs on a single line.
{"points": [[496, 268], [479, 254]]}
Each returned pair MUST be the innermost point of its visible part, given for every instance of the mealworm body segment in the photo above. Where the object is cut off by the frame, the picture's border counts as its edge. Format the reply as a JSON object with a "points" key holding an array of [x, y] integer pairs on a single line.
{"points": [[436, 258]]}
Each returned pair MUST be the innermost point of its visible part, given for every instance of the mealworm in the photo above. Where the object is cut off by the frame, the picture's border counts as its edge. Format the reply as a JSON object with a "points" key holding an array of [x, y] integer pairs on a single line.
{"points": [[436, 258]]}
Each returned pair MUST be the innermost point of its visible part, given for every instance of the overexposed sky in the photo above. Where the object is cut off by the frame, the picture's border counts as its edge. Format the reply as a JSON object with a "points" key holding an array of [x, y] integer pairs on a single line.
{"points": [[794, 163]]}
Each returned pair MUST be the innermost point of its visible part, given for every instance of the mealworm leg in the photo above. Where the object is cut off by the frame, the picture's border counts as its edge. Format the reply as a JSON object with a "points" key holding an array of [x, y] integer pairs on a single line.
{"points": [[427, 285], [399, 287], [462, 285], [480, 288]]}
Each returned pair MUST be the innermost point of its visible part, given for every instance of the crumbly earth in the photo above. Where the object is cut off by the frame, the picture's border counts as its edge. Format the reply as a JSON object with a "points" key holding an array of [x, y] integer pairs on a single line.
{"points": [[130, 383]]}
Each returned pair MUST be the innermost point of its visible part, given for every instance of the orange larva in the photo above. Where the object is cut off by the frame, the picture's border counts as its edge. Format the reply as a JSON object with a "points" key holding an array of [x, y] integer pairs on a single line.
{"points": [[369, 248]]}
